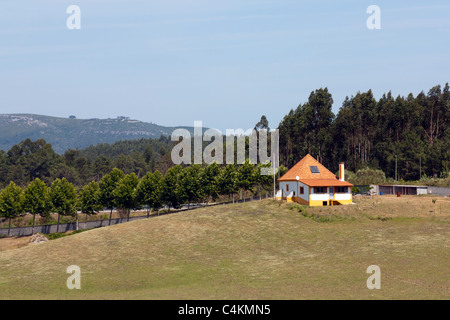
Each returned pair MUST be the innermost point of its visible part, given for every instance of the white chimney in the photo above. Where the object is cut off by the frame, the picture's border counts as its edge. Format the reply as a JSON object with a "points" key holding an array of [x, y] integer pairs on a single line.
{"points": [[341, 172]]}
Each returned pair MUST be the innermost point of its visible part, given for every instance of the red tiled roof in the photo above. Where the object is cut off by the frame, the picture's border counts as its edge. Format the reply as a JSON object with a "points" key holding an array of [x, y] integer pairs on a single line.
{"points": [[302, 170]]}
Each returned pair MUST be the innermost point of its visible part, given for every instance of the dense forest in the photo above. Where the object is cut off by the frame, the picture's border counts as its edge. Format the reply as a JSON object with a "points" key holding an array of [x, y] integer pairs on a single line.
{"points": [[398, 138], [406, 138], [36, 159], [29, 160]]}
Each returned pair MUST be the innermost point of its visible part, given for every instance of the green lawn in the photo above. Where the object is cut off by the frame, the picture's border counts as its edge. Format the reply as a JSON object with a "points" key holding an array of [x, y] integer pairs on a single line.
{"points": [[258, 250]]}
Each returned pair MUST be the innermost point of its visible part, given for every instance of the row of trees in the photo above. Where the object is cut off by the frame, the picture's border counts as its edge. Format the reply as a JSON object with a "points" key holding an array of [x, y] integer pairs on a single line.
{"points": [[406, 137], [179, 186], [37, 198]]}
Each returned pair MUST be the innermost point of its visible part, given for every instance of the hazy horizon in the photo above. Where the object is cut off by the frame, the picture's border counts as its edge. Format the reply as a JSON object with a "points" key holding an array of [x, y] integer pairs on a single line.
{"points": [[224, 63]]}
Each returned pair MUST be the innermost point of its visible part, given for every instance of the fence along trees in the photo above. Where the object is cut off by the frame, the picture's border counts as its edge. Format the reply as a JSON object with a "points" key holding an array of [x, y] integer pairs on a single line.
{"points": [[179, 186]]}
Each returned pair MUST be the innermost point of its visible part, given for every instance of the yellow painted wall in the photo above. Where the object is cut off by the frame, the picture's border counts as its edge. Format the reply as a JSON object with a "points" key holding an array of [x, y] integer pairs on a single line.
{"points": [[316, 203], [345, 201]]}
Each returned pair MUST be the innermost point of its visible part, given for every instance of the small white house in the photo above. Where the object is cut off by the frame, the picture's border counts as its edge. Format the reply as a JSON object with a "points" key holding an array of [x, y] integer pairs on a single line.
{"points": [[310, 183]]}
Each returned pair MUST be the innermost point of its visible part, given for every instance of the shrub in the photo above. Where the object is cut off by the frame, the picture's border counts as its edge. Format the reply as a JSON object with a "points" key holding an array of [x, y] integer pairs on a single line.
{"points": [[53, 236], [369, 176], [300, 208], [355, 190]]}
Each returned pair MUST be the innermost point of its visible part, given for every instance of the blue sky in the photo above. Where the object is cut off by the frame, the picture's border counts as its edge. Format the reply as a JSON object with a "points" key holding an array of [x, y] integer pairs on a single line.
{"points": [[222, 62]]}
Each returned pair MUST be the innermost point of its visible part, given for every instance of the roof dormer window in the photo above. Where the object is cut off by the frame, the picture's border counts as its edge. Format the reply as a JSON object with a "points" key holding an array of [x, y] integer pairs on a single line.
{"points": [[314, 169]]}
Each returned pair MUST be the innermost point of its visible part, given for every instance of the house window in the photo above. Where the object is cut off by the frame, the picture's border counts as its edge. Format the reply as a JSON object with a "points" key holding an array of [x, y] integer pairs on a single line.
{"points": [[302, 191], [341, 190], [320, 189], [287, 188]]}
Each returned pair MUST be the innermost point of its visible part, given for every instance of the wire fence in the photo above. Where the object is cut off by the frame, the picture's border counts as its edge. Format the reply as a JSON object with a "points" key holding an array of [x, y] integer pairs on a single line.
{"points": [[65, 227]]}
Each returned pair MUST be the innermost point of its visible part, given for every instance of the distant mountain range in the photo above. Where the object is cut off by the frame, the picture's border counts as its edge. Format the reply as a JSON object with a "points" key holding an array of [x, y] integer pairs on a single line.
{"points": [[72, 133]]}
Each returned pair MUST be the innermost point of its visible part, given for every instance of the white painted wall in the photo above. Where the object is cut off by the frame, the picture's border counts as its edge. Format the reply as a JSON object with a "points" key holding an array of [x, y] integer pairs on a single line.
{"points": [[320, 196], [375, 190], [342, 196], [292, 187], [305, 195], [422, 190]]}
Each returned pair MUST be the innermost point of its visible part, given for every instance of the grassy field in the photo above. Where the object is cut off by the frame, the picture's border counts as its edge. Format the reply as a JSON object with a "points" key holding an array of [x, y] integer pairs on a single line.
{"points": [[257, 250]]}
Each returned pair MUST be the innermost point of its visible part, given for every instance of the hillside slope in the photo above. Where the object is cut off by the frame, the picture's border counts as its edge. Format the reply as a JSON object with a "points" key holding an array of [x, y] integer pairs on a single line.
{"points": [[256, 250], [66, 133]]}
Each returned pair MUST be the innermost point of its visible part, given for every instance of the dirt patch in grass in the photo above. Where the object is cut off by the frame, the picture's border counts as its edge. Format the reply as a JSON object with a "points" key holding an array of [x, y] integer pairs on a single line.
{"points": [[13, 243]]}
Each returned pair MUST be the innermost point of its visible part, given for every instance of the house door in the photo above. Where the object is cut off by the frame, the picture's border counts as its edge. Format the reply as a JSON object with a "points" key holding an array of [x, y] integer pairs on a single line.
{"points": [[331, 192]]}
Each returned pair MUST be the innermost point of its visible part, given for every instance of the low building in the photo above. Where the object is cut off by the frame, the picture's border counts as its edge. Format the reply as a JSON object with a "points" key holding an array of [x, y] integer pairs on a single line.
{"points": [[402, 189], [310, 183], [407, 189]]}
